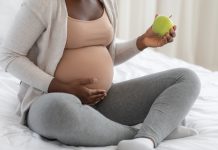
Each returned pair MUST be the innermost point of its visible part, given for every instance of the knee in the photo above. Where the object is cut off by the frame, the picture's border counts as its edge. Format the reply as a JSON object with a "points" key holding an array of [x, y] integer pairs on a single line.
{"points": [[53, 104], [47, 114], [190, 78], [189, 75]]}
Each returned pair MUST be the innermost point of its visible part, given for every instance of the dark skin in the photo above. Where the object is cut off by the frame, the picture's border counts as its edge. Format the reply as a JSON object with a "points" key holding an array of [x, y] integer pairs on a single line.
{"points": [[84, 9], [91, 10]]}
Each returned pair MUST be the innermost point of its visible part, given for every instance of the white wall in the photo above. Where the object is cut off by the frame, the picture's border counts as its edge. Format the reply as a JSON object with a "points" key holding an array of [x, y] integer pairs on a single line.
{"points": [[197, 22]]}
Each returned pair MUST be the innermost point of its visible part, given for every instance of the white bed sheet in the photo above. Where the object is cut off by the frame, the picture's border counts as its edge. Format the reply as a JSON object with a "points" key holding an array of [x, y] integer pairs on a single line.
{"points": [[203, 116]]}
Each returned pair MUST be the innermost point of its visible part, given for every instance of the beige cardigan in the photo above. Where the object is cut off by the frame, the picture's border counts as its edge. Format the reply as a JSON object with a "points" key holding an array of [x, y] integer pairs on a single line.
{"points": [[35, 43]]}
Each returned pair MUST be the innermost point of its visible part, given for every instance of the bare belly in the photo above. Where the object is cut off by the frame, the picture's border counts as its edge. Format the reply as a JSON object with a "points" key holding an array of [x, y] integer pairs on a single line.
{"points": [[87, 62]]}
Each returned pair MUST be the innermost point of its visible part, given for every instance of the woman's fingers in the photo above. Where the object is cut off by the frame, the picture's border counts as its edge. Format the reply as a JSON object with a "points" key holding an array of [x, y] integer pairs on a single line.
{"points": [[168, 37], [174, 27], [165, 40], [171, 40], [171, 35], [172, 32], [97, 91], [162, 41], [96, 97]]}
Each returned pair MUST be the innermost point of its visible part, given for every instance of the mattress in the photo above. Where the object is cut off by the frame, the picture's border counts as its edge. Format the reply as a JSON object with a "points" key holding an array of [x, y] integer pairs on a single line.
{"points": [[203, 116]]}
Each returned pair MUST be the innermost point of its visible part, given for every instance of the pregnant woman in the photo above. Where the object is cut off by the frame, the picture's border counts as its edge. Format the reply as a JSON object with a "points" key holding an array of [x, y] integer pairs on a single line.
{"points": [[63, 51]]}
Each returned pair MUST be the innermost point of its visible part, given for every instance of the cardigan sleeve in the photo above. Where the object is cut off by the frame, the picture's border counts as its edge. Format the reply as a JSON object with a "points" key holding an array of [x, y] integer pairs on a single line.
{"points": [[124, 50], [22, 35]]}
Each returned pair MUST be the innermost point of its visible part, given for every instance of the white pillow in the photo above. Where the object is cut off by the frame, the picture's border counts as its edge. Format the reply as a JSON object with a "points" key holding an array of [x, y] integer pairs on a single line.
{"points": [[8, 10]]}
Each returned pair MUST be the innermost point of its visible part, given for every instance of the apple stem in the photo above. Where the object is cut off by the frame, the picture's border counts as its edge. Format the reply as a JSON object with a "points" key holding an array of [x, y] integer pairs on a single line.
{"points": [[170, 16]]}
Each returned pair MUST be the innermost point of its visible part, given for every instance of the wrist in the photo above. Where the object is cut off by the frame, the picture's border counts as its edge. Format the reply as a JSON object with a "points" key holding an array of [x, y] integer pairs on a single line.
{"points": [[140, 44], [56, 86]]}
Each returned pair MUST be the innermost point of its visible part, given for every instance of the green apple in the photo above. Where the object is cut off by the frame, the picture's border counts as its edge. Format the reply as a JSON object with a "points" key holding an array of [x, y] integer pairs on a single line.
{"points": [[162, 25]]}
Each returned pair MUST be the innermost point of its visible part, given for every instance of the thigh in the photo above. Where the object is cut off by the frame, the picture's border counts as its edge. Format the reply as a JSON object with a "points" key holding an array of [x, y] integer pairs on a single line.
{"points": [[62, 116], [129, 102]]}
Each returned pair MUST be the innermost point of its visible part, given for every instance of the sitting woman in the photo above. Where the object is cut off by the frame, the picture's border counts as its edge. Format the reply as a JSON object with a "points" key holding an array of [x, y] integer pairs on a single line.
{"points": [[64, 51]]}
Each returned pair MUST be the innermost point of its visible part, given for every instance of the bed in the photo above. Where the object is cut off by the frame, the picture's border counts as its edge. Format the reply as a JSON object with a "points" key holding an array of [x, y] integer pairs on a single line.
{"points": [[203, 116]]}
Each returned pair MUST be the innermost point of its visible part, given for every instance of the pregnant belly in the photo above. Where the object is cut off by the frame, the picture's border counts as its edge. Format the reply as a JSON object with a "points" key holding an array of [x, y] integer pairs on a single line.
{"points": [[87, 62]]}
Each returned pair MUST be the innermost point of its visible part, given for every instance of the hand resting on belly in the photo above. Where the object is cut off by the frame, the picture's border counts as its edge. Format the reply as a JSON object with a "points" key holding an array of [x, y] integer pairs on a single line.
{"points": [[78, 88]]}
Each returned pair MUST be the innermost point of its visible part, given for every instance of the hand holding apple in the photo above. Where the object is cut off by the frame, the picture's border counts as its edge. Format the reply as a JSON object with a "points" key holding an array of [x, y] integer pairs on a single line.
{"points": [[162, 25], [159, 34]]}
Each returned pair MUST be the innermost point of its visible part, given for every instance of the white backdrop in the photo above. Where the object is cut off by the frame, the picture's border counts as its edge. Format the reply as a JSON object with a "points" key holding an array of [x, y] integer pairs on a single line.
{"points": [[197, 22]]}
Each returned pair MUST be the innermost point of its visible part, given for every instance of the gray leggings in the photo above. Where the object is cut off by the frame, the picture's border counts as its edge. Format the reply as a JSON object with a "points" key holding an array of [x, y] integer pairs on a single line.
{"points": [[161, 101]]}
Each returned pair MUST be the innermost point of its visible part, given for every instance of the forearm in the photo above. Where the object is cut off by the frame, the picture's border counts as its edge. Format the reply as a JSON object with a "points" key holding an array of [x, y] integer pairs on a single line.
{"points": [[25, 70], [22, 35], [56, 86], [125, 50]]}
